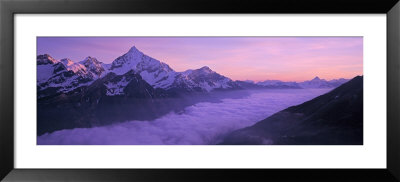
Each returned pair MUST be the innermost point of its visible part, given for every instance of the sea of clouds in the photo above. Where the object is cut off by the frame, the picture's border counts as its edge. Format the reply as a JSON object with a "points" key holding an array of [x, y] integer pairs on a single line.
{"points": [[201, 124]]}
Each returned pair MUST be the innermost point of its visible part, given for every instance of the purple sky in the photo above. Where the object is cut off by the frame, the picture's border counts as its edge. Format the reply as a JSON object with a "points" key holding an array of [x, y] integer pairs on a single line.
{"points": [[240, 58]]}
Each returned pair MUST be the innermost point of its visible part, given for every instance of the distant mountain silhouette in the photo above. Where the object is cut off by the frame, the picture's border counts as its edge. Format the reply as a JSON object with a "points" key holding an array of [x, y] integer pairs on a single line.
{"points": [[333, 118]]}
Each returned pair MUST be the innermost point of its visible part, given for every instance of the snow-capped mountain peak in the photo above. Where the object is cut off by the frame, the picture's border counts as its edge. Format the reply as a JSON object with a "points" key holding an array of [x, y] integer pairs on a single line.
{"points": [[206, 69], [60, 76], [160, 75], [67, 62], [45, 59], [75, 67], [47, 67], [90, 60], [66, 75], [316, 78], [134, 50], [203, 79], [203, 71], [321, 83], [94, 66], [154, 72], [127, 62]]}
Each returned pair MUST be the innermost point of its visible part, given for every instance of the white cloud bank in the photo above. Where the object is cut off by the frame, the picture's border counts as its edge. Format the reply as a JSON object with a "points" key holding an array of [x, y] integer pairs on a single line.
{"points": [[200, 124]]}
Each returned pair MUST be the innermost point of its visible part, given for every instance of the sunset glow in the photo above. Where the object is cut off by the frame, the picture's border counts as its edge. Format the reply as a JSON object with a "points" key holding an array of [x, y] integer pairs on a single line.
{"points": [[239, 58]]}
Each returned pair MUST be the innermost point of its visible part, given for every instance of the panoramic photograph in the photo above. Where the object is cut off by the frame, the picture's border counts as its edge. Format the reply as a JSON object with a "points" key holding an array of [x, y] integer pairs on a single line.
{"points": [[199, 90]]}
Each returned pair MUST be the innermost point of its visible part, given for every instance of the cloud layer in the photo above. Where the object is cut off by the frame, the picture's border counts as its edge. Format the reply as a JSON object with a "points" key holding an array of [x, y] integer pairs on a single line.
{"points": [[200, 124]]}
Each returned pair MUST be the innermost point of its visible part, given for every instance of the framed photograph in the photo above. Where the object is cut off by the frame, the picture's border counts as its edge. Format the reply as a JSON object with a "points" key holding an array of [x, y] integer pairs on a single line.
{"points": [[134, 90]]}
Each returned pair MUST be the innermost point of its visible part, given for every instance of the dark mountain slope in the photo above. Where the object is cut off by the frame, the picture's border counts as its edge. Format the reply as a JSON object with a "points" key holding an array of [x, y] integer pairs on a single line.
{"points": [[114, 98], [333, 118], [109, 99]]}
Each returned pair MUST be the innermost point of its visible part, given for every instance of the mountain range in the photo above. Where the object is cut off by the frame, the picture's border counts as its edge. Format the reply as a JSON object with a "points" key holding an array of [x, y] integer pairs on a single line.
{"points": [[133, 87], [63, 76]]}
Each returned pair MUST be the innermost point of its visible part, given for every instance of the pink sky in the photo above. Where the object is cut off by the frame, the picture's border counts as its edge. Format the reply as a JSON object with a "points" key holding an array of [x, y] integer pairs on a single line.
{"points": [[239, 58]]}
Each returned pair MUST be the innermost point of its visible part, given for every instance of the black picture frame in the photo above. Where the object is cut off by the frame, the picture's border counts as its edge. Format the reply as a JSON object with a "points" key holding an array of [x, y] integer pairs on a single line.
{"points": [[9, 8]]}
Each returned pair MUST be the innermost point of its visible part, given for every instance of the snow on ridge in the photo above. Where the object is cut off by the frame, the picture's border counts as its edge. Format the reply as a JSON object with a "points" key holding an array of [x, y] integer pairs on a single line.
{"points": [[158, 74], [45, 59], [67, 62], [203, 78], [153, 71], [116, 88], [68, 85], [95, 67], [75, 67], [66, 75]]}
